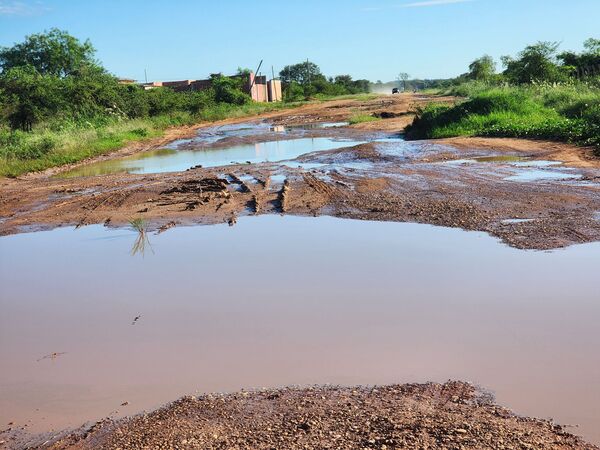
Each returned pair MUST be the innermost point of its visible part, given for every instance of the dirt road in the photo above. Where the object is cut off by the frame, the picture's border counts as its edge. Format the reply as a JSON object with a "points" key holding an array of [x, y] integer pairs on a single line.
{"points": [[530, 194], [457, 182]]}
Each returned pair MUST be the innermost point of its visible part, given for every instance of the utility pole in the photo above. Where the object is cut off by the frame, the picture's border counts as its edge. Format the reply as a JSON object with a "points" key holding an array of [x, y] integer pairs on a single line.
{"points": [[255, 74], [146, 76], [272, 72]]}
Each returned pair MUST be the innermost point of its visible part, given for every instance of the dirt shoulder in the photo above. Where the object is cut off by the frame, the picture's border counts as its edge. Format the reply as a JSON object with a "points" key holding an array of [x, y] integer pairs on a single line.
{"points": [[433, 416], [554, 151]]}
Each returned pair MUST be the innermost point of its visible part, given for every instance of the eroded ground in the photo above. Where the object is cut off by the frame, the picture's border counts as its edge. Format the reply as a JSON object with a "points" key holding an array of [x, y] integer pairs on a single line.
{"points": [[509, 188], [530, 194], [453, 415]]}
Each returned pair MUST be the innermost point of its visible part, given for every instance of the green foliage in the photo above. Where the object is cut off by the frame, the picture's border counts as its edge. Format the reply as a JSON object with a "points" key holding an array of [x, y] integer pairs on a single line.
{"points": [[302, 73], [229, 90], [564, 113], [482, 69], [305, 81], [67, 142], [59, 106], [361, 118], [536, 63], [541, 94], [53, 52], [28, 97], [585, 64]]}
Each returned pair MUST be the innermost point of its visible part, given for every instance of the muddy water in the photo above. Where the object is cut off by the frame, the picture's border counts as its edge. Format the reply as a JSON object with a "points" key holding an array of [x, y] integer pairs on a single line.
{"points": [[285, 300], [172, 160], [282, 143]]}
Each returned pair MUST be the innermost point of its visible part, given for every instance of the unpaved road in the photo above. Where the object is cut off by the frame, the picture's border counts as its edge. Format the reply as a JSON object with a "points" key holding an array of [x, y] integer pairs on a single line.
{"points": [[443, 183], [435, 183], [453, 415]]}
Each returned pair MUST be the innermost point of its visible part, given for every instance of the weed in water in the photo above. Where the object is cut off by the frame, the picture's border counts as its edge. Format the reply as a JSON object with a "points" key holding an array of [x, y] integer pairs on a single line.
{"points": [[141, 242]]}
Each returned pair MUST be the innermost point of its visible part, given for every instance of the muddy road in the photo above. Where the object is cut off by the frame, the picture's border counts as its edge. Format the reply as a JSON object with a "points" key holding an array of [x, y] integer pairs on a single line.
{"points": [[389, 316], [531, 194]]}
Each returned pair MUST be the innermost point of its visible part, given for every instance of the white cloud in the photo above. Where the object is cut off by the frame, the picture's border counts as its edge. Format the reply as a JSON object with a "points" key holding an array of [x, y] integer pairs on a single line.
{"points": [[18, 8], [416, 4], [432, 3]]}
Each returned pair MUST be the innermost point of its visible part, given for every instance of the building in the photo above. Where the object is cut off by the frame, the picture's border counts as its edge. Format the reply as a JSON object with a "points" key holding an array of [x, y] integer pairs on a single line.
{"points": [[257, 86]]}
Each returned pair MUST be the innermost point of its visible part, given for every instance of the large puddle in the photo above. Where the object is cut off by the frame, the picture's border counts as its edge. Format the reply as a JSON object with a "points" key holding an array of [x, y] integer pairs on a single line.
{"points": [[289, 300], [204, 150]]}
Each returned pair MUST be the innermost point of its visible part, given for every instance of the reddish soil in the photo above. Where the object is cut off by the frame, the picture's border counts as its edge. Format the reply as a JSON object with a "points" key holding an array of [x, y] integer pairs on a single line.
{"points": [[431, 184], [453, 415], [419, 187]]}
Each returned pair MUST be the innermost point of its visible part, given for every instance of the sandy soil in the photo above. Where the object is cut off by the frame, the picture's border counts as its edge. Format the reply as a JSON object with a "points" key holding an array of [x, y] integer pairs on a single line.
{"points": [[453, 415]]}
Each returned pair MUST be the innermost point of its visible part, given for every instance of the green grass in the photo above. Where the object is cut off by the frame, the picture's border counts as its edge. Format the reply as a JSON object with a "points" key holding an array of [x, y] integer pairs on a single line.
{"points": [[54, 145], [361, 117], [563, 113]]}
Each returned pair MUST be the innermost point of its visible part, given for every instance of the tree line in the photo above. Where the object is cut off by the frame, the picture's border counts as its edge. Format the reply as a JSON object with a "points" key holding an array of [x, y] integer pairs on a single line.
{"points": [[305, 80], [54, 78], [539, 63]]}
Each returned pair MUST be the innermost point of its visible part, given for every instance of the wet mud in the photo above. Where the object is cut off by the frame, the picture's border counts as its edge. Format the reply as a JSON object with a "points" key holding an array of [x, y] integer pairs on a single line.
{"points": [[475, 187]]}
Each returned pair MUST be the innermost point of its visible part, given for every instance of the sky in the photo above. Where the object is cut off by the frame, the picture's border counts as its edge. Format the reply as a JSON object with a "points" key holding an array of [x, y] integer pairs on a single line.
{"points": [[372, 39]]}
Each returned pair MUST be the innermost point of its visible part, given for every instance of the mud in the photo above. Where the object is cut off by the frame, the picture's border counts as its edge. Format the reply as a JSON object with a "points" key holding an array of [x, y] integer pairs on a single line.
{"points": [[530, 194], [468, 183], [432, 416]]}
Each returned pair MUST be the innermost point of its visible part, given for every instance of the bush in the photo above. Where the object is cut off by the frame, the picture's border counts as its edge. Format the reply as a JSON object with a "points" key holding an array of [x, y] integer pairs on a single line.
{"points": [[564, 113]]}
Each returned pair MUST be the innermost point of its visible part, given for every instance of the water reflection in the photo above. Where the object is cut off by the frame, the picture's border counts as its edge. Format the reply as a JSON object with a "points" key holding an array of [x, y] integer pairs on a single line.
{"points": [[171, 160], [142, 242], [291, 300]]}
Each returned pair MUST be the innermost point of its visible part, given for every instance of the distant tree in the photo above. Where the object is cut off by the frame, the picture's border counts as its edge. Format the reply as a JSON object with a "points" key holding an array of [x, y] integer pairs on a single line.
{"points": [[592, 46], [583, 64], [482, 68], [344, 80], [243, 71], [536, 63], [301, 73], [53, 52], [403, 76]]}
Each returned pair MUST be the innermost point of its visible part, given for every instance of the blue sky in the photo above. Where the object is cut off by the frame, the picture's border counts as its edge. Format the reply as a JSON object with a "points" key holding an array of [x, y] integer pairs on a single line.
{"points": [[374, 39]]}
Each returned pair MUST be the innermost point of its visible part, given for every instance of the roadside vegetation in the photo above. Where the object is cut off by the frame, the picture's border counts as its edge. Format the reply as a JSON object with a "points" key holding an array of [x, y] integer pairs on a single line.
{"points": [[540, 94], [304, 81], [58, 105], [361, 118]]}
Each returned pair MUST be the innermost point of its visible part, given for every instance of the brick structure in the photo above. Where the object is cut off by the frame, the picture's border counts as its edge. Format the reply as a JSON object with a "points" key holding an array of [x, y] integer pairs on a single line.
{"points": [[257, 86], [274, 90]]}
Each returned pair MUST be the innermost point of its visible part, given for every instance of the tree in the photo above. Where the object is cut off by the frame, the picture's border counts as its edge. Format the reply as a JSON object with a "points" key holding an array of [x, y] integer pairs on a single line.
{"points": [[29, 97], [536, 63], [586, 63], [53, 52], [482, 68], [403, 76], [592, 46], [229, 90], [301, 73]]}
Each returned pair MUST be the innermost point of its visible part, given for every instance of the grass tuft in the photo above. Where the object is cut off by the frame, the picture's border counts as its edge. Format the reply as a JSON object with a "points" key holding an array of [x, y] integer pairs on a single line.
{"points": [[361, 118]]}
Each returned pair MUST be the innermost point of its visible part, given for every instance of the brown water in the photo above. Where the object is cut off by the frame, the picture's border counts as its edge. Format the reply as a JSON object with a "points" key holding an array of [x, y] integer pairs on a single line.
{"points": [[287, 300]]}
